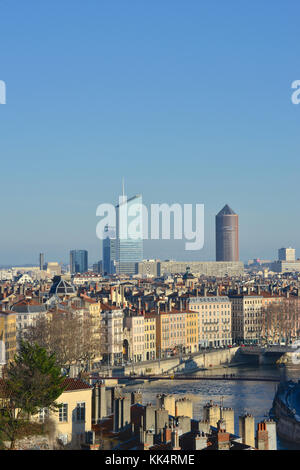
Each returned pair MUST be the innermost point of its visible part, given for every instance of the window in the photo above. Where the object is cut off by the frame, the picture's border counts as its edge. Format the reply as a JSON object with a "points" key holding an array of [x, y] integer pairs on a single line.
{"points": [[80, 411], [43, 414], [63, 413]]}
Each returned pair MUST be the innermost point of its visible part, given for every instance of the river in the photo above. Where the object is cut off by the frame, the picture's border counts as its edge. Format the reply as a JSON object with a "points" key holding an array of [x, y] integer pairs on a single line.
{"points": [[244, 397]]}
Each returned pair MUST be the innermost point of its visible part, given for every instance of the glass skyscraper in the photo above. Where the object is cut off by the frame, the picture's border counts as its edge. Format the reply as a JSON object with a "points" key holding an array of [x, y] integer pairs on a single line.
{"points": [[129, 246], [78, 261]]}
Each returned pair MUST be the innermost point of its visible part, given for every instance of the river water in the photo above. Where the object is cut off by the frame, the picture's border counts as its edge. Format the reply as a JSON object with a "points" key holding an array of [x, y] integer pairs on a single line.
{"points": [[244, 397]]}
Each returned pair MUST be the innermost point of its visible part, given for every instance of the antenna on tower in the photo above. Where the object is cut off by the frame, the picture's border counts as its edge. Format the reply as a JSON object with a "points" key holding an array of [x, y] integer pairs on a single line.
{"points": [[123, 191]]}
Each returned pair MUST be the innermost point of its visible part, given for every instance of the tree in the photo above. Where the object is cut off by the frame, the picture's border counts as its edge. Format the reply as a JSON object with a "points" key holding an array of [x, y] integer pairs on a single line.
{"points": [[281, 321], [32, 382], [75, 336]]}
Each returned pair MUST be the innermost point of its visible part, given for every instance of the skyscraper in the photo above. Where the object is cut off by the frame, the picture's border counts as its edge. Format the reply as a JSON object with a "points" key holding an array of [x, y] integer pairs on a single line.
{"points": [[78, 261], [129, 242], [109, 250], [42, 261], [227, 235]]}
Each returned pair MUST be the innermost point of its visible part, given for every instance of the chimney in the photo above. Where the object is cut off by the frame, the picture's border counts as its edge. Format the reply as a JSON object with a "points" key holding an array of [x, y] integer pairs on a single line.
{"points": [[175, 439], [262, 438], [223, 440], [167, 436]]}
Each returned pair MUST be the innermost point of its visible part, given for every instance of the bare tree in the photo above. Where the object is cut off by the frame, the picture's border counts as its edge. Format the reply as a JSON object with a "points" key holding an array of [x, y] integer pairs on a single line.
{"points": [[281, 321], [73, 335]]}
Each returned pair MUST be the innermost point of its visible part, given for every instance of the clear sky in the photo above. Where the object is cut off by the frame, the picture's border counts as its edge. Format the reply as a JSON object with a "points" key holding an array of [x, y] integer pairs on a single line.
{"points": [[189, 100]]}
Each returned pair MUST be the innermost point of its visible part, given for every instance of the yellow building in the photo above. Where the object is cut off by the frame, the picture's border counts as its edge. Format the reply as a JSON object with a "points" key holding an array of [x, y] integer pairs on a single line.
{"points": [[150, 336], [74, 418], [8, 334], [172, 330], [191, 332]]}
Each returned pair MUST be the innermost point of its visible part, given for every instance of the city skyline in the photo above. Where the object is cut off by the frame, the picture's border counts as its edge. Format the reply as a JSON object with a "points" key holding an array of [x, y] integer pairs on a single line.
{"points": [[226, 245], [201, 117], [165, 317]]}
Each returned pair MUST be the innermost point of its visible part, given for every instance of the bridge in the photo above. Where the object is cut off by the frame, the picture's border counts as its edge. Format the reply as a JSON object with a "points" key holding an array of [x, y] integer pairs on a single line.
{"points": [[224, 377], [264, 354], [266, 349]]}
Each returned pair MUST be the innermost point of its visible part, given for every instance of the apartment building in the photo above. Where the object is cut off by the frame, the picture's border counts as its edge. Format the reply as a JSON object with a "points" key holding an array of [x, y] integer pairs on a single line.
{"points": [[135, 325], [150, 336], [246, 318], [27, 312], [171, 330], [214, 320], [8, 334], [191, 332], [112, 330]]}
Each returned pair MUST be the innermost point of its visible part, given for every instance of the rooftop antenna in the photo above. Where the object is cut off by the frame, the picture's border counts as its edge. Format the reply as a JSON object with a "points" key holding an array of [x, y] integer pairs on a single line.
{"points": [[122, 199]]}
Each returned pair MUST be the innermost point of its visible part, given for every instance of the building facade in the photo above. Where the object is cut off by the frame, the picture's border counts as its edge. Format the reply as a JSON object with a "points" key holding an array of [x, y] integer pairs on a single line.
{"points": [[227, 235], [112, 334], [78, 261], [135, 325], [129, 247], [214, 320], [150, 336], [8, 334], [246, 318], [203, 268], [287, 254]]}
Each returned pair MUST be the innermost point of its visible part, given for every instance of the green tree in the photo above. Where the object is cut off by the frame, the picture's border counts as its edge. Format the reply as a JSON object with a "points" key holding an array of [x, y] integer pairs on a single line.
{"points": [[32, 382]]}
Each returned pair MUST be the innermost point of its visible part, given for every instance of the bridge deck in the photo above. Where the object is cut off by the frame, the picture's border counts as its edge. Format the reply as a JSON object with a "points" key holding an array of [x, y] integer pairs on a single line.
{"points": [[227, 377]]}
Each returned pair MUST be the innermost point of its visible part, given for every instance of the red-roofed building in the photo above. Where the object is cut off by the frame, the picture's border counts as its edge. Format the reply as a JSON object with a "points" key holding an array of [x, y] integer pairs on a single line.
{"points": [[74, 417]]}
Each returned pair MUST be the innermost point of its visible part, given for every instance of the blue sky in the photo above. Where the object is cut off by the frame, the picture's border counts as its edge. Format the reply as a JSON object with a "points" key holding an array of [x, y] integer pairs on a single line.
{"points": [[190, 101]]}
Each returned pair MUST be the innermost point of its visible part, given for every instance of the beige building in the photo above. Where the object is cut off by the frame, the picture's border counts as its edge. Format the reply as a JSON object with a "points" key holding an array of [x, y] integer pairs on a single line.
{"points": [[214, 320], [53, 268], [8, 334], [148, 268], [74, 417], [135, 324], [287, 254], [246, 318], [286, 266], [209, 268], [170, 332], [112, 330], [96, 329]]}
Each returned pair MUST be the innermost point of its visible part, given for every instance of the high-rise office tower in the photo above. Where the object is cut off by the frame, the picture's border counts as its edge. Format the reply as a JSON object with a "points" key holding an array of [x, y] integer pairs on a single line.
{"points": [[78, 261], [227, 235], [109, 250], [129, 246], [42, 261], [287, 254]]}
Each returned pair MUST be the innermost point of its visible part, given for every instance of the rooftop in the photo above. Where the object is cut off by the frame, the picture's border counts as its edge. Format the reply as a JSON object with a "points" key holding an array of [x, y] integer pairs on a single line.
{"points": [[226, 211]]}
